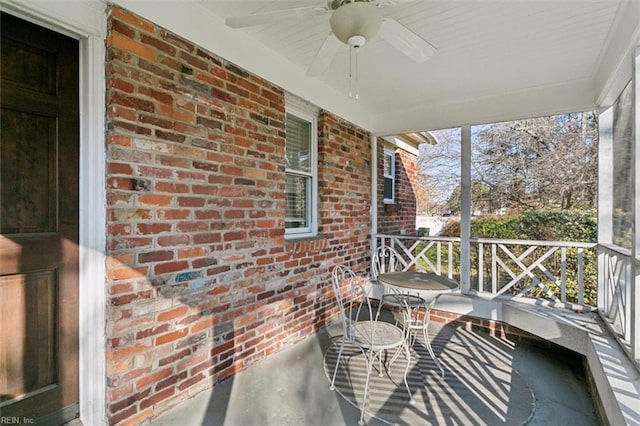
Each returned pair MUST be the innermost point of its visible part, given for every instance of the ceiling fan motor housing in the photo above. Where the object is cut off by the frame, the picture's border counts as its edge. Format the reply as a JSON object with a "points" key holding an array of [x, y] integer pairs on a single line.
{"points": [[361, 19]]}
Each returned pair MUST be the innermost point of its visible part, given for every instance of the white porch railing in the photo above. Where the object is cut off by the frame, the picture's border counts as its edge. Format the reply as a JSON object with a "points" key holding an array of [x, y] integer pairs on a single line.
{"points": [[614, 295], [579, 276], [556, 273]]}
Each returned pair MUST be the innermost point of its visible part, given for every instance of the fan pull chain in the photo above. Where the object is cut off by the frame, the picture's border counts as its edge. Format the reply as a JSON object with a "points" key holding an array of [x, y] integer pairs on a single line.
{"points": [[353, 72], [350, 72], [357, 49]]}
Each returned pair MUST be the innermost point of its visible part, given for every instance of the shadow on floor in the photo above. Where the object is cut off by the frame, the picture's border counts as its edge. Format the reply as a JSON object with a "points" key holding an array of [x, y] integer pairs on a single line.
{"points": [[291, 387]]}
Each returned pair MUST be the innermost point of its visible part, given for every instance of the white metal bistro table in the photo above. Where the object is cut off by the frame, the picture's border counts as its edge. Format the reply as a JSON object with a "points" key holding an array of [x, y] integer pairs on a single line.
{"points": [[418, 282], [408, 288]]}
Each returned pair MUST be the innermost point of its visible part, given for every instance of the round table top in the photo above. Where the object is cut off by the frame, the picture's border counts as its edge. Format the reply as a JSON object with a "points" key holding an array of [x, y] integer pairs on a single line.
{"points": [[411, 280]]}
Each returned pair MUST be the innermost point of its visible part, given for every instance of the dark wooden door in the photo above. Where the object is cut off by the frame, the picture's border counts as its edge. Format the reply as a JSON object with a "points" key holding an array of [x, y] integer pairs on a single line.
{"points": [[39, 158]]}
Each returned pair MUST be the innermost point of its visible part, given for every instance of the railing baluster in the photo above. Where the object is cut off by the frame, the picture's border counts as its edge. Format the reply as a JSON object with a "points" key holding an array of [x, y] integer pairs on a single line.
{"points": [[580, 276], [480, 267], [450, 261], [611, 284], [494, 268], [626, 302], [563, 274], [439, 257]]}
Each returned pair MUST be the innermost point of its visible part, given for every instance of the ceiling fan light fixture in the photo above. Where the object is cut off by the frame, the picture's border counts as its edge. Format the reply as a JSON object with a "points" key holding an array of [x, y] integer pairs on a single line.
{"points": [[356, 19]]}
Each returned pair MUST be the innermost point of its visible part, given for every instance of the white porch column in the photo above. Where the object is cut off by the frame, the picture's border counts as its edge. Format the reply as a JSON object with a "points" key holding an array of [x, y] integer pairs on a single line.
{"points": [[605, 198], [635, 248], [465, 210], [374, 193]]}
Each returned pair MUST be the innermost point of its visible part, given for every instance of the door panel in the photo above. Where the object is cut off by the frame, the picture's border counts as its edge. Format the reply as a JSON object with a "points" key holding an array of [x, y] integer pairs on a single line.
{"points": [[39, 158], [29, 353], [32, 196]]}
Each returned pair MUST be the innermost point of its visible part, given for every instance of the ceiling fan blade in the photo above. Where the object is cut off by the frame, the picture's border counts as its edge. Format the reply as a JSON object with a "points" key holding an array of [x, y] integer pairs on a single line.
{"points": [[325, 55], [274, 16], [406, 41], [395, 2]]}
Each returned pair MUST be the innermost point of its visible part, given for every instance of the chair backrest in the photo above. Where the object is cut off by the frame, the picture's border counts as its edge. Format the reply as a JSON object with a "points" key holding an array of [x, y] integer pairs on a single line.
{"points": [[386, 259], [350, 296]]}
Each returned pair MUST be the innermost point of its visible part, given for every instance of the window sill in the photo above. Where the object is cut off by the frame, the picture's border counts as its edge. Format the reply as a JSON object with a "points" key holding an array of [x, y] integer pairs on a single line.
{"points": [[294, 237]]}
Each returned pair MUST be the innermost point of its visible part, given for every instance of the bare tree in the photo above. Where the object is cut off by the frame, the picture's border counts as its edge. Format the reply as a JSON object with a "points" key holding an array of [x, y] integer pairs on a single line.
{"points": [[426, 197], [438, 171], [540, 162]]}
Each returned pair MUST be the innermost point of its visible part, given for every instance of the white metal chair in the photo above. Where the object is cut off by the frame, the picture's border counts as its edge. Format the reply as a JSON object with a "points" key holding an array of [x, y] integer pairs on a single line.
{"points": [[386, 259], [373, 338]]}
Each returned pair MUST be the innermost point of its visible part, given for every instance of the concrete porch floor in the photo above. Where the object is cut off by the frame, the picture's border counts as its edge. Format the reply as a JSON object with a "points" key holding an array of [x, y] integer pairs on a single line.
{"points": [[291, 388]]}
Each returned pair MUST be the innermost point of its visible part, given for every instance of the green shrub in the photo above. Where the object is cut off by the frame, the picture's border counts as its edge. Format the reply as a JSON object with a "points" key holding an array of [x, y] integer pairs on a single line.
{"points": [[538, 225]]}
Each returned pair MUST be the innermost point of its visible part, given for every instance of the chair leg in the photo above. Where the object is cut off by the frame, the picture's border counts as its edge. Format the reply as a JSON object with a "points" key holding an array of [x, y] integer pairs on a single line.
{"points": [[369, 360], [411, 338], [412, 401], [335, 370], [425, 333], [395, 356], [378, 310]]}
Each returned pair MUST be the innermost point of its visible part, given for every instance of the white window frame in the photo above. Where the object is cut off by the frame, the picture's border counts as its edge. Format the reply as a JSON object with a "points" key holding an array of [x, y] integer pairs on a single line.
{"points": [[312, 188], [391, 153]]}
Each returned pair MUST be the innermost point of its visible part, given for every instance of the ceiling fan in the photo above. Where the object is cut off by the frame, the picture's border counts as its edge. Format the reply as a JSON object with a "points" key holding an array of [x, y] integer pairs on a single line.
{"points": [[352, 22]]}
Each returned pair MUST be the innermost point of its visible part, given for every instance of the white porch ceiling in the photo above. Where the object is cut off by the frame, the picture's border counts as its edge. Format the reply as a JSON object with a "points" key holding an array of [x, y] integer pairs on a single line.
{"points": [[496, 60]]}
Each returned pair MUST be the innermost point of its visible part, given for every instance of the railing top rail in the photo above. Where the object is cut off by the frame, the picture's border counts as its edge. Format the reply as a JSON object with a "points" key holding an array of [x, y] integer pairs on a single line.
{"points": [[577, 244], [415, 237], [616, 249]]}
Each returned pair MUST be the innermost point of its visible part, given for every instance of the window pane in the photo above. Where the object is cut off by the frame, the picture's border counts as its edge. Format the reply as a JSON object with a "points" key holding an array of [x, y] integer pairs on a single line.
{"points": [[623, 169], [387, 164], [298, 144], [388, 189], [296, 200]]}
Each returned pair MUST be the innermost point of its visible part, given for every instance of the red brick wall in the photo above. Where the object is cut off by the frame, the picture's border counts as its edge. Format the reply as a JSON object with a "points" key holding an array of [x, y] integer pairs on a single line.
{"points": [[398, 218], [201, 281]]}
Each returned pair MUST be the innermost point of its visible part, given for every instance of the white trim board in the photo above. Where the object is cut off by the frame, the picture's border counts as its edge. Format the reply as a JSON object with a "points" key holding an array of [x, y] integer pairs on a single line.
{"points": [[85, 21]]}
